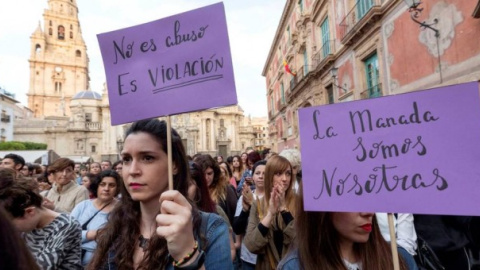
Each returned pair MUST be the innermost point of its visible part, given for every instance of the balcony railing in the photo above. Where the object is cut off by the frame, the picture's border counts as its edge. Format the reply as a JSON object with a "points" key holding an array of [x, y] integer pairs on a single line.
{"points": [[362, 10], [293, 82], [5, 118], [272, 130], [372, 92], [246, 130], [328, 49], [93, 125]]}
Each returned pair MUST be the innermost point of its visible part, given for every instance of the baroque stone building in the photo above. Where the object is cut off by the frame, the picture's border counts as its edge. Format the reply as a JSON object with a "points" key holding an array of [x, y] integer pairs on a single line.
{"points": [[349, 50], [75, 121], [58, 60]]}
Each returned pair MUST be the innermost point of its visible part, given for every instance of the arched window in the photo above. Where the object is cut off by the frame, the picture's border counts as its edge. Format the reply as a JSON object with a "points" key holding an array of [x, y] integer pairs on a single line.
{"points": [[71, 34], [71, 27], [61, 32], [38, 48], [50, 31], [78, 53]]}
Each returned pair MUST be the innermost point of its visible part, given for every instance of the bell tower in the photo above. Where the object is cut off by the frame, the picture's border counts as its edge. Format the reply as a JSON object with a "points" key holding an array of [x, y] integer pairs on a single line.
{"points": [[58, 60]]}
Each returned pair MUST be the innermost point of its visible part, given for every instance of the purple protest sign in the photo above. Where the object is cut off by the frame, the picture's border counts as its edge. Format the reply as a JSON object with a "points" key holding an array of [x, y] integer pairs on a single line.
{"points": [[174, 65], [411, 153]]}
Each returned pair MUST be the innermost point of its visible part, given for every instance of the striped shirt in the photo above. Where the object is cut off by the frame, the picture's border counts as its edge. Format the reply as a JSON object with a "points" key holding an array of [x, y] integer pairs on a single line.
{"points": [[57, 245]]}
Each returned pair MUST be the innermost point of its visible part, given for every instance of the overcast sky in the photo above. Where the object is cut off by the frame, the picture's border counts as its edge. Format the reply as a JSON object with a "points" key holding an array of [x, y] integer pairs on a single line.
{"points": [[251, 25]]}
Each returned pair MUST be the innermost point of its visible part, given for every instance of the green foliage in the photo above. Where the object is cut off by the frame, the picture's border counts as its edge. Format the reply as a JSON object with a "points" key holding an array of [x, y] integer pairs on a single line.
{"points": [[22, 146]]}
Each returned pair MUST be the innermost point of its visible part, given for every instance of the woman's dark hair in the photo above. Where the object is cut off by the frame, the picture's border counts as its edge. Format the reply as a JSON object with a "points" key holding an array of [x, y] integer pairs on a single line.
{"points": [[115, 164], [320, 248], [95, 181], [202, 195], [13, 251], [123, 228], [258, 163], [253, 157], [228, 169], [40, 178], [218, 188], [17, 194], [241, 166], [37, 168], [60, 165]]}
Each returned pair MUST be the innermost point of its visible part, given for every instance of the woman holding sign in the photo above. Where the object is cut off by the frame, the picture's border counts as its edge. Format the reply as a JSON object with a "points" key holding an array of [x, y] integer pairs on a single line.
{"points": [[337, 240], [270, 223], [153, 227]]}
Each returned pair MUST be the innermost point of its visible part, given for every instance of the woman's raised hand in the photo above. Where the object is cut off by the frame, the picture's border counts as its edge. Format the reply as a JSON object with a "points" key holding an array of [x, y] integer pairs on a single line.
{"points": [[274, 202], [281, 189], [174, 223], [247, 197]]}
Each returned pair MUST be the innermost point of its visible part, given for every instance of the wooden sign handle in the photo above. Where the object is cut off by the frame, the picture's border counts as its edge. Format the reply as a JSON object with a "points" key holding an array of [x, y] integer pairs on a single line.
{"points": [[393, 242], [169, 154]]}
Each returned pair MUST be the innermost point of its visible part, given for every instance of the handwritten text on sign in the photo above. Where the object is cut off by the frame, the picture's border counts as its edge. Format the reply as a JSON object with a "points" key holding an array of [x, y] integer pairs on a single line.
{"points": [[409, 153], [174, 65]]}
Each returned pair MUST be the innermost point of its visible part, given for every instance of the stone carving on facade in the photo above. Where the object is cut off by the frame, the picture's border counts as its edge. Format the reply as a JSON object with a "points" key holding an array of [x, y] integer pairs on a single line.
{"points": [[448, 18], [339, 11], [388, 29], [390, 59], [394, 85]]}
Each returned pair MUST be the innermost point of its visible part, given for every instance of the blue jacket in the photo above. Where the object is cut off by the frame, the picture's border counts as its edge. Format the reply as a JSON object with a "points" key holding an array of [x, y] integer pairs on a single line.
{"points": [[217, 241]]}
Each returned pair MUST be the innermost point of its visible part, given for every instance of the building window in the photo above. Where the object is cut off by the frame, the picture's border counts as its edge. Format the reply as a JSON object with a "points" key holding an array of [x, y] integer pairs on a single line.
{"points": [[282, 91], [363, 6], [38, 48], [71, 34], [50, 31], [61, 32], [330, 94], [94, 149], [88, 117], [289, 35], [272, 108], [305, 62], [222, 123], [300, 5], [58, 87], [49, 23], [325, 38], [78, 53], [5, 117], [372, 76]]}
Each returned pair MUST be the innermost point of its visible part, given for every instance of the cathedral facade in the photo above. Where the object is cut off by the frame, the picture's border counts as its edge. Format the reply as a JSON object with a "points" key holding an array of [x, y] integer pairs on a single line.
{"points": [[75, 121], [58, 60]]}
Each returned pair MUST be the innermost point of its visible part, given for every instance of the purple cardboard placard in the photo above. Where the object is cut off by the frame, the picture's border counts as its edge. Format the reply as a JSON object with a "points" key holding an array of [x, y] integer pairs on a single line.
{"points": [[173, 65], [415, 153]]}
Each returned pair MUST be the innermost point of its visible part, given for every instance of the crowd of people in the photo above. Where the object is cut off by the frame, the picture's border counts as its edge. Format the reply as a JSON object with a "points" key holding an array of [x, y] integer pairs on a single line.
{"points": [[123, 216]]}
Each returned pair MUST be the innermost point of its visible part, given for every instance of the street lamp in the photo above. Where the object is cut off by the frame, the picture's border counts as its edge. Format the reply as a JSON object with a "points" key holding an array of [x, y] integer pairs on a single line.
{"points": [[415, 10], [334, 72], [415, 13]]}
